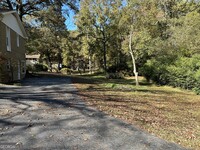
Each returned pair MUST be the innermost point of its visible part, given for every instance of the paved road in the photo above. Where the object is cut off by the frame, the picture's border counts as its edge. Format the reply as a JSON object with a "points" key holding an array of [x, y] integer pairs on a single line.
{"points": [[46, 113]]}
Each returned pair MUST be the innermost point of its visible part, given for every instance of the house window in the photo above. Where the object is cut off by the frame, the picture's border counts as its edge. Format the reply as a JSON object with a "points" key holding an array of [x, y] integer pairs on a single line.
{"points": [[23, 67], [8, 65], [17, 40], [8, 41]]}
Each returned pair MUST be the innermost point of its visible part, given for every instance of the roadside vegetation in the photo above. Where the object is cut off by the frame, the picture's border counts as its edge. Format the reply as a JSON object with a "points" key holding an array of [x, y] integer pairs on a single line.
{"points": [[170, 113], [157, 39]]}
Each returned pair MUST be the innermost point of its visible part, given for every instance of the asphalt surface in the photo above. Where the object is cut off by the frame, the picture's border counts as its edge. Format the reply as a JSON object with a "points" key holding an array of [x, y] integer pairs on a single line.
{"points": [[47, 113]]}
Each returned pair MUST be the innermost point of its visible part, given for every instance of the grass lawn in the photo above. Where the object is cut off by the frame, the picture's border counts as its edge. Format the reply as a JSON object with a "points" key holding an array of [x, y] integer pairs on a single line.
{"points": [[167, 112]]}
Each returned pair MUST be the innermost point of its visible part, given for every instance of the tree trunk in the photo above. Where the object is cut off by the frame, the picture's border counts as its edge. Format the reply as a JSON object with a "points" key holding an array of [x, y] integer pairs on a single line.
{"points": [[104, 56], [90, 58], [20, 9], [133, 59], [84, 65], [104, 40], [90, 64], [60, 59], [134, 69], [9, 5], [49, 60]]}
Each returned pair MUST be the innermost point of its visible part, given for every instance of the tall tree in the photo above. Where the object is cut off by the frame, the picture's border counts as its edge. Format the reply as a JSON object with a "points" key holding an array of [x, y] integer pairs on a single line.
{"points": [[27, 7], [97, 16], [139, 17]]}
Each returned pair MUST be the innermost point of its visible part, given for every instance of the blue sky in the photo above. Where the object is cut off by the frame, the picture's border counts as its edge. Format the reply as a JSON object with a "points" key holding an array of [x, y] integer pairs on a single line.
{"points": [[69, 15], [70, 21]]}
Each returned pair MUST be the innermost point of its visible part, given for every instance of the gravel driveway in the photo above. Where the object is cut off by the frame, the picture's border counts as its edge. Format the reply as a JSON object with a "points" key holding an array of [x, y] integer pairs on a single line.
{"points": [[46, 113]]}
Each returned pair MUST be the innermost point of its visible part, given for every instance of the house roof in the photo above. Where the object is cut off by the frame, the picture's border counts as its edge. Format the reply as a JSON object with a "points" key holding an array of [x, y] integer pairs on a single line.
{"points": [[5, 12], [33, 56]]}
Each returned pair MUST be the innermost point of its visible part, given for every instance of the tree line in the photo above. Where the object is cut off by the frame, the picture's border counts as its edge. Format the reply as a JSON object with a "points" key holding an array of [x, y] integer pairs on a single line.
{"points": [[158, 39]]}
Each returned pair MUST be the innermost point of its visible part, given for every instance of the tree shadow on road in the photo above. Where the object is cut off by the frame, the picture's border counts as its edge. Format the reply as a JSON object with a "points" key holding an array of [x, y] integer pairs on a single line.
{"points": [[50, 109]]}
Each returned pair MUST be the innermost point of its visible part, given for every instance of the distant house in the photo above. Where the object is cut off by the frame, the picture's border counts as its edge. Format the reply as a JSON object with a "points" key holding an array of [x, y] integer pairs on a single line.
{"points": [[32, 59], [12, 47]]}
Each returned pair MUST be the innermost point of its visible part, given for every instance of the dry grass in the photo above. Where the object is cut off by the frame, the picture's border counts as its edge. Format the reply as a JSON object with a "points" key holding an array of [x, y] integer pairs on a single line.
{"points": [[169, 113]]}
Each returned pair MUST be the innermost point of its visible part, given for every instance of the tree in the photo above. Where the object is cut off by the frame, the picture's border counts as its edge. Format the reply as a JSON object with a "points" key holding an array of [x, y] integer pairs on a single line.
{"points": [[47, 35], [6, 4], [97, 16], [27, 7], [135, 16], [185, 35], [84, 23]]}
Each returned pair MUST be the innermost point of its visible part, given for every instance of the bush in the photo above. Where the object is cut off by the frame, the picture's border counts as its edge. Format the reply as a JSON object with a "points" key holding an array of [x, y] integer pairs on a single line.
{"points": [[40, 67], [156, 71], [118, 68], [117, 71], [196, 90], [29, 68], [118, 75], [66, 71], [185, 72]]}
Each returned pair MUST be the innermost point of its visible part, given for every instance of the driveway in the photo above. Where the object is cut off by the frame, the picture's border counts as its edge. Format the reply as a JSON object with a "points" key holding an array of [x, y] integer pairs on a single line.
{"points": [[47, 113]]}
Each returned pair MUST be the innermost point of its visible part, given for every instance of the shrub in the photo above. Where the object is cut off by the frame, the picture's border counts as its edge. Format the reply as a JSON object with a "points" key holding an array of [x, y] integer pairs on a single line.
{"points": [[40, 67], [30, 68], [118, 75], [196, 90], [118, 68], [197, 85], [117, 71], [185, 73], [66, 71], [156, 71]]}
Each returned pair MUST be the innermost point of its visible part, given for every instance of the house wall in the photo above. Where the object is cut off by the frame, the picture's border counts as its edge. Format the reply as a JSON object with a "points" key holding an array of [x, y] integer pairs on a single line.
{"points": [[16, 56], [31, 62]]}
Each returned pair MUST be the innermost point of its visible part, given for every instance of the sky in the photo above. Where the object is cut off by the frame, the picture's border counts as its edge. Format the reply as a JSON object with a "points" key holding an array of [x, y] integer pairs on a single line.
{"points": [[69, 18], [70, 21]]}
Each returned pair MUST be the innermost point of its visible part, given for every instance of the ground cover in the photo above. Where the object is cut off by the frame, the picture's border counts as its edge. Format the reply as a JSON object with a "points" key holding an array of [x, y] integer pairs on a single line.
{"points": [[170, 113]]}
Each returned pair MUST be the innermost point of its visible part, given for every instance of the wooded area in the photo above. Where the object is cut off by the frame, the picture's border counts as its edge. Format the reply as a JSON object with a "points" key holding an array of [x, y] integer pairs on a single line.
{"points": [[158, 39]]}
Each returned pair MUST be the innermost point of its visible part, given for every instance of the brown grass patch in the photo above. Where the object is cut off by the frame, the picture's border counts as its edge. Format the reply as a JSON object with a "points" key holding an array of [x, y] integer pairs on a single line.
{"points": [[169, 113]]}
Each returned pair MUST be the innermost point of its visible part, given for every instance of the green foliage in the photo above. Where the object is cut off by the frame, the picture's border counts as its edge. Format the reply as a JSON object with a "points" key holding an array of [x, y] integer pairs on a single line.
{"points": [[40, 67], [196, 90], [47, 36], [155, 38], [98, 23], [117, 71], [186, 33], [118, 68], [31, 7], [156, 71], [66, 71], [117, 75], [30, 68], [185, 73]]}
